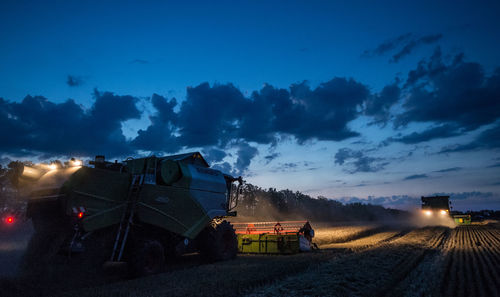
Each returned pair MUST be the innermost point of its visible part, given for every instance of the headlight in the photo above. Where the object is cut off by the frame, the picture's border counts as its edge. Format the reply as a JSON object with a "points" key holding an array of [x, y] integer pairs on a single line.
{"points": [[52, 166], [428, 213], [443, 212], [74, 163]]}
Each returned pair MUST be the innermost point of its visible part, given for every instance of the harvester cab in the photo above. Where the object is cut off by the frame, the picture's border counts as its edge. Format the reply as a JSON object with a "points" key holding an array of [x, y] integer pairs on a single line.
{"points": [[154, 207]]}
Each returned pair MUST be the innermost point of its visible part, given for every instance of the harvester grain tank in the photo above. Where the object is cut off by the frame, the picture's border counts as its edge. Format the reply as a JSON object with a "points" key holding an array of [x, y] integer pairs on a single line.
{"points": [[149, 208]]}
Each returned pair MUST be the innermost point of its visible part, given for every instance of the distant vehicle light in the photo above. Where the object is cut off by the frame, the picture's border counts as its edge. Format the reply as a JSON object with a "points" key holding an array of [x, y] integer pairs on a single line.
{"points": [[428, 213], [9, 220], [77, 163], [80, 215], [52, 166], [443, 212]]}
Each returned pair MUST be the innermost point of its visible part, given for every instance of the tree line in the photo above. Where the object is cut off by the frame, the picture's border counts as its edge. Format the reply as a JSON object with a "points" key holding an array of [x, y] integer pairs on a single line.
{"points": [[271, 204]]}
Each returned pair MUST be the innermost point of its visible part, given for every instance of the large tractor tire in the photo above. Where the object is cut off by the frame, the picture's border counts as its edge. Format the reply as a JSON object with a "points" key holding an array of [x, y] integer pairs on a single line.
{"points": [[218, 243], [47, 218], [147, 258]]}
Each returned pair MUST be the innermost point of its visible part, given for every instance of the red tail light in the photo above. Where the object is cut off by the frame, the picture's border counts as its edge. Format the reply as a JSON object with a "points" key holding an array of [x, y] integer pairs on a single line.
{"points": [[9, 220], [80, 215]]}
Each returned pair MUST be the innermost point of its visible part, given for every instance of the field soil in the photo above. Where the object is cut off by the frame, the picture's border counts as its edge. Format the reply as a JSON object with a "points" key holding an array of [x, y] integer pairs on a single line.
{"points": [[353, 260]]}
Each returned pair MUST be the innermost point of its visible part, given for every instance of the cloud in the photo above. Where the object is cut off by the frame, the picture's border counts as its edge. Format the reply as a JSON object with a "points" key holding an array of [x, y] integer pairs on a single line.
{"points": [[139, 61], [463, 200], [413, 44], [488, 139], [357, 161], [456, 97], [442, 131], [494, 165], [74, 81], [37, 125], [378, 106], [271, 157], [245, 155], [214, 155], [209, 115], [389, 45], [415, 176], [405, 44], [159, 136], [465, 195], [215, 115], [449, 169]]}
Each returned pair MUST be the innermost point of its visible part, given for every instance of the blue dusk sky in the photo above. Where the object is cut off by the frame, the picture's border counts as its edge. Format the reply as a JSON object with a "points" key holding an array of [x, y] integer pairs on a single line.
{"points": [[373, 101]]}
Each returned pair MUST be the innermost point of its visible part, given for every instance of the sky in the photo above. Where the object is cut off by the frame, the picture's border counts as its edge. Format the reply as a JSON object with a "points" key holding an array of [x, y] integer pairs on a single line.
{"points": [[378, 102]]}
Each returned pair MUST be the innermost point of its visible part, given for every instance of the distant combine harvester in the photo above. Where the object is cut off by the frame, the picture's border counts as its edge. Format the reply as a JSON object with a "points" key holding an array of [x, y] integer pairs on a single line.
{"points": [[440, 206]]}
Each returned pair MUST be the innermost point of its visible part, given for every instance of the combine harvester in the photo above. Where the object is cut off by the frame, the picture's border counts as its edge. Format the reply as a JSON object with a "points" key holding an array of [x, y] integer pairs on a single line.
{"points": [[439, 207], [287, 237], [146, 209]]}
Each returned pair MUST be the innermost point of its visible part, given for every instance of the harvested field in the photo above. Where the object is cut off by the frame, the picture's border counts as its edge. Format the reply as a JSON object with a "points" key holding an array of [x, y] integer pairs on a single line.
{"points": [[337, 234], [472, 262], [353, 261]]}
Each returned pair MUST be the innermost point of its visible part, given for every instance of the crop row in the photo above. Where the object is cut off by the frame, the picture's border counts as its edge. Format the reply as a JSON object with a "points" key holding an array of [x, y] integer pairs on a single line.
{"points": [[472, 261]]}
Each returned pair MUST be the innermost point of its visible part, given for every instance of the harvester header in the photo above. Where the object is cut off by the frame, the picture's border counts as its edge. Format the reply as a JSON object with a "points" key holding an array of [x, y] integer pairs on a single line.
{"points": [[284, 237]]}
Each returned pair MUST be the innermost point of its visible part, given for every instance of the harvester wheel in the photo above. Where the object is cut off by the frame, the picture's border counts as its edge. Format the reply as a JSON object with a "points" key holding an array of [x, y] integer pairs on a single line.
{"points": [[148, 257], [46, 218], [218, 243]]}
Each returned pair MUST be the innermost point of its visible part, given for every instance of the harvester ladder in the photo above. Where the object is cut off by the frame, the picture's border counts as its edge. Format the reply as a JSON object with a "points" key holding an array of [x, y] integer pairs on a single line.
{"points": [[127, 217], [150, 177]]}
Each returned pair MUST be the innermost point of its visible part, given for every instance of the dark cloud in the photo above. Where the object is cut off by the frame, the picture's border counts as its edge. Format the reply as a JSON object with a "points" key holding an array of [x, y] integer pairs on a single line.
{"points": [[494, 165], [74, 81], [457, 97], [413, 44], [214, 155], [409, 202], [271, 157], [245, 154], [322, 113], [139, 61], [209, 116], [357, 161], [37, 125], [449, 169], [442, 131], [215, 115], [466, 195], [405, 44], [378, 106], [415, 176], [159, 136], [488, 139], [389, 45]]}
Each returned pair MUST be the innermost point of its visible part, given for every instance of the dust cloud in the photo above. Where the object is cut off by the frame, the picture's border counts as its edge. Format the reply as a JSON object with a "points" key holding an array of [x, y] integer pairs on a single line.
{"points": [[421, 219]]}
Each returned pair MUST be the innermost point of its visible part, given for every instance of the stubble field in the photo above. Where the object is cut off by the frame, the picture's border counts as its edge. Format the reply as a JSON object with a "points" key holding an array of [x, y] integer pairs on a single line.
{"points": [[361, 260]]}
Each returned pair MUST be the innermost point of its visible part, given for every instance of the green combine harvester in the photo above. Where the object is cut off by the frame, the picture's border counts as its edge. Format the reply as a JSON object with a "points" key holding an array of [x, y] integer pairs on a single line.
{"points": [[439, 207], [149, 208]]}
